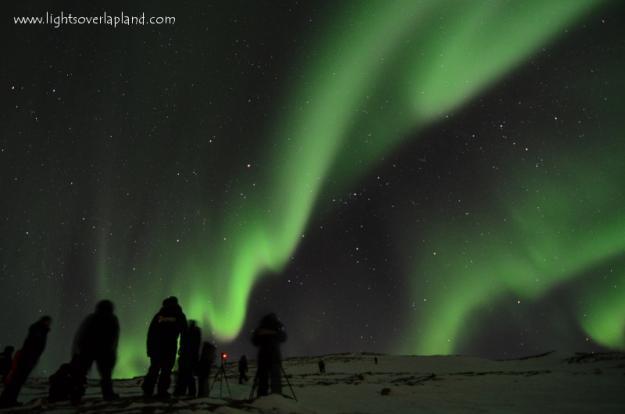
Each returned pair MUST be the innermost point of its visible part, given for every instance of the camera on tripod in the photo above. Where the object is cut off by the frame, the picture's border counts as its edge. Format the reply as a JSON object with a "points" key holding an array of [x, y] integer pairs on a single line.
{"points": [[221, 376]]}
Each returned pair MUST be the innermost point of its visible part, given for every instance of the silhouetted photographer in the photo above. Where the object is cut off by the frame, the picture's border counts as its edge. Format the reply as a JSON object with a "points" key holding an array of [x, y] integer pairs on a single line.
{"points": [[166, 326], [187, 360], [25, 361], [6, 357], [203, 369], [267, 337], [96, 340], [243, 367]]}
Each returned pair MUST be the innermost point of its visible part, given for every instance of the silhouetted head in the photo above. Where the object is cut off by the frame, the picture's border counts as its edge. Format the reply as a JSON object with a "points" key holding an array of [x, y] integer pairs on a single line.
{"points": [[8, 350], [105, 306], [170, 302], [269, 320], [192, 323], [45, 320]]}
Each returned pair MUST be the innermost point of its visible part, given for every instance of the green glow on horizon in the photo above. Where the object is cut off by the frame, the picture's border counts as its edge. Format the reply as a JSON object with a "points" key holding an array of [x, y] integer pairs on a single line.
{"points": [[394, 67], [603, 314], [559, 229]]}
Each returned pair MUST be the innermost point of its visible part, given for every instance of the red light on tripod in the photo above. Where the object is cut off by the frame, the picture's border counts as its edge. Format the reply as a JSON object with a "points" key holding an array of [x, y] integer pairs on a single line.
{"points": [[224, 356]]}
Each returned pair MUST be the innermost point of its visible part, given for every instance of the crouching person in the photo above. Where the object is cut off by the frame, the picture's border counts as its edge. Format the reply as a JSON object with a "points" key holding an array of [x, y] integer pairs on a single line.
{"points": [[62, 384]]}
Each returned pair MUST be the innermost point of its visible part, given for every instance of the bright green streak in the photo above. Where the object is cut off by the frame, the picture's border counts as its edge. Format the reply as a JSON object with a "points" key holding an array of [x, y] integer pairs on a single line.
{"points": [[382, 70]]}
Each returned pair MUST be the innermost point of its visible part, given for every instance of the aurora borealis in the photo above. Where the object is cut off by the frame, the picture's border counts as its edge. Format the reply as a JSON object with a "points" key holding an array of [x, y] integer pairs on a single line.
{"points": [[431, 163]]}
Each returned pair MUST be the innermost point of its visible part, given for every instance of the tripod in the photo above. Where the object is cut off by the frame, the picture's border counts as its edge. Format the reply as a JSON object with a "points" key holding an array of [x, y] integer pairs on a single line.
{"points": [[255, 384], [221, 377]]}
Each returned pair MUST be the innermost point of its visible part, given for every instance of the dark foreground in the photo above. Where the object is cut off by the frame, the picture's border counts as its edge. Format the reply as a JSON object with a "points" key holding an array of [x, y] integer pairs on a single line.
{"points": [[551, 383]]}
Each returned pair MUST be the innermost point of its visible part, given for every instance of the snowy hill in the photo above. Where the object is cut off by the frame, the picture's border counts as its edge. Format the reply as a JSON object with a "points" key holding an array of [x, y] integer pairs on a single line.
{"points": [[548, 383]]}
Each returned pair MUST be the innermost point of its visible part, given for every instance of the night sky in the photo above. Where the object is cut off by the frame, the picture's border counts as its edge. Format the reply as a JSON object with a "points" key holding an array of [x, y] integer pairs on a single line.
{"points": [[423, 177]]}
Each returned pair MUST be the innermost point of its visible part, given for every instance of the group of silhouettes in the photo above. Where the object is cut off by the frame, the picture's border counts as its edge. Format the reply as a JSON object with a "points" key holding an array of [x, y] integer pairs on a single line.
{"points": [[96, 341]]}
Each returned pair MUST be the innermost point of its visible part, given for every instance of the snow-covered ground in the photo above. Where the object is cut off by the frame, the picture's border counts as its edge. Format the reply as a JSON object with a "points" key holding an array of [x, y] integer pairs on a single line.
{"points": [[551, 383]]}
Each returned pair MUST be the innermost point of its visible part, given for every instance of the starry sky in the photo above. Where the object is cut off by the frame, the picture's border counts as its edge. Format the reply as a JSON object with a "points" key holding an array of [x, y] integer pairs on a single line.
{"points": [[423, 177]]}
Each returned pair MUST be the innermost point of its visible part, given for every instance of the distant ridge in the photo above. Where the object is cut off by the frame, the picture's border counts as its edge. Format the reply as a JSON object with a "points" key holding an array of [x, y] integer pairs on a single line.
{"points": [[523, 358]]}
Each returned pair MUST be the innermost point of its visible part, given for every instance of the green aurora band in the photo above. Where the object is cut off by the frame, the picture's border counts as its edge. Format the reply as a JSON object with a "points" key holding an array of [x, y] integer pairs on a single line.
{"points": [[547, 230], [384, 70]]}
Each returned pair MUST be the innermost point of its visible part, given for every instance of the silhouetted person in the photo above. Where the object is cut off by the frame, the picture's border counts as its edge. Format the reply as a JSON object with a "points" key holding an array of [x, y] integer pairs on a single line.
{"points": [[267, 337], [203, 369], [62, 384], [96, 340], [243, 369], [25, 361], [6, 357], [322, 366], [187, 360], [166, 326]]}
